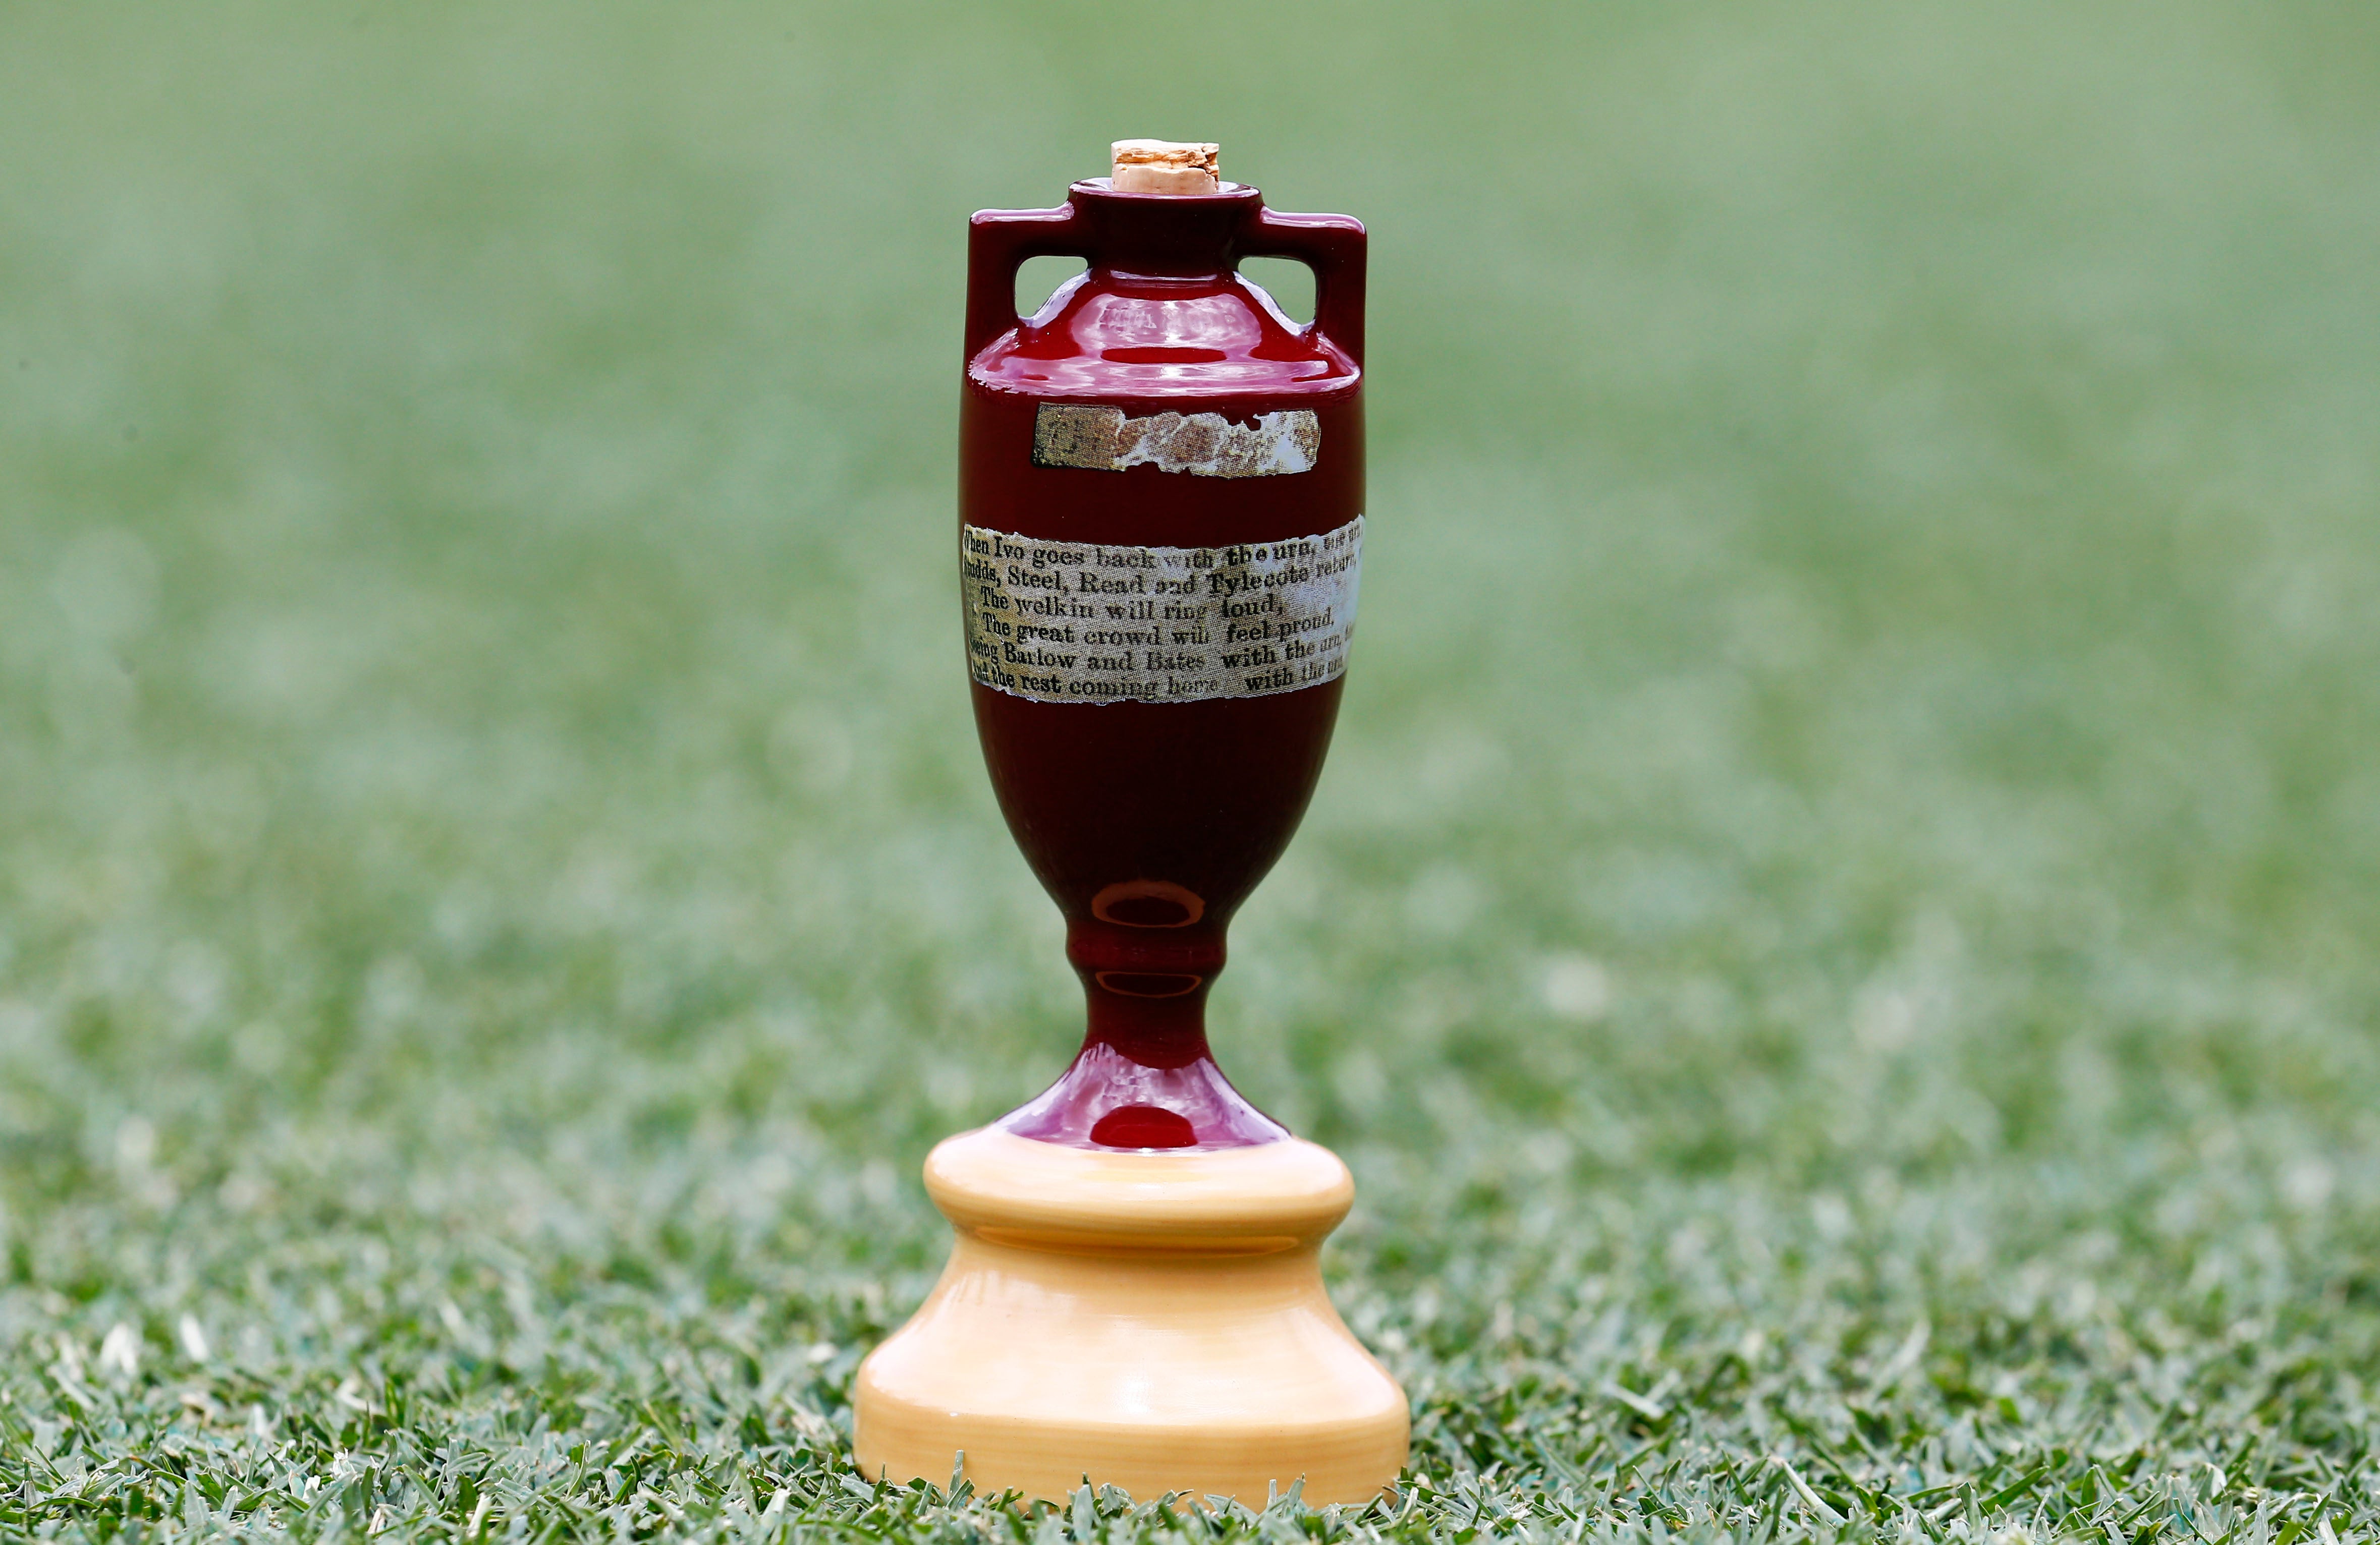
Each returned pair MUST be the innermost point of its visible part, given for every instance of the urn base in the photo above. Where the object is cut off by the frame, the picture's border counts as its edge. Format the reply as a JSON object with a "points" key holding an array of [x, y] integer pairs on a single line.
{"points": [[1154, 1320]]}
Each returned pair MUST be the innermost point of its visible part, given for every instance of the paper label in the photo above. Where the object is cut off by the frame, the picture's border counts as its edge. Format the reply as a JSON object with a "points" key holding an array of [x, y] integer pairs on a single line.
{"points": [[1087, 622], [1202, 444]]}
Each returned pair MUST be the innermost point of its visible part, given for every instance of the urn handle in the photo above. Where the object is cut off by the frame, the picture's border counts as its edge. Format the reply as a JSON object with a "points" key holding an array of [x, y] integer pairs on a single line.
{"points": [[998, 241], [1332, 246]]}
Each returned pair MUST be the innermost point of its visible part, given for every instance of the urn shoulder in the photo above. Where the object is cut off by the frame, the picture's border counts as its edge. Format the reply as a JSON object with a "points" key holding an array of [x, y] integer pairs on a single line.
{"points": [[1161, 312]]}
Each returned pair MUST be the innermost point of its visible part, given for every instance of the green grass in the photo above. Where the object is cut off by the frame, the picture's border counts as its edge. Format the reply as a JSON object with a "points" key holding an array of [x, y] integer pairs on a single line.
{"points": [[1837, 935]]}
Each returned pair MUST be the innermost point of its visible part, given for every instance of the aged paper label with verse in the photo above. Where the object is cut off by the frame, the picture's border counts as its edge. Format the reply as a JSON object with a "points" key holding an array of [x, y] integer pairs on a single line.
{"points": [[1086, 622]]}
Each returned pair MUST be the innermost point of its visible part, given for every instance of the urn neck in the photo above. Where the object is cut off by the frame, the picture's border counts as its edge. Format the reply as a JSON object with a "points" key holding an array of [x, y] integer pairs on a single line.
{"points": [[1163, 235]]}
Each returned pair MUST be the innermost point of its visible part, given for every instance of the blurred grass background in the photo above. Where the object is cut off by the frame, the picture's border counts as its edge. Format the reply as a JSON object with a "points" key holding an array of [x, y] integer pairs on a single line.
{"points": [[1840, 908]]}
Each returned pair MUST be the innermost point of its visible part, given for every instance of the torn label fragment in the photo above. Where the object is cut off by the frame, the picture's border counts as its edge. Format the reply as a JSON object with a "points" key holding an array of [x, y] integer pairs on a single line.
{"points": [[1087, 622], [1202, 444]]}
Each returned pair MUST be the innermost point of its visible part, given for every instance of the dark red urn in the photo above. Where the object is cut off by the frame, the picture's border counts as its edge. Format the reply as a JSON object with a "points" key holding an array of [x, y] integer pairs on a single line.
{"points": [[1161, 505]]}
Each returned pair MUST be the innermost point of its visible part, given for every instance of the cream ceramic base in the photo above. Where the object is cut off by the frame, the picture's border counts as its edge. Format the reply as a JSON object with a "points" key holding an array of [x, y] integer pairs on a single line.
{"points": [[1152, 1321]]}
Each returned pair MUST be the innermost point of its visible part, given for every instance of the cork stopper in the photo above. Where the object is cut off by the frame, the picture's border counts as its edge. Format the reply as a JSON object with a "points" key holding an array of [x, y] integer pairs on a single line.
{"points": [[1165, 166]]}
